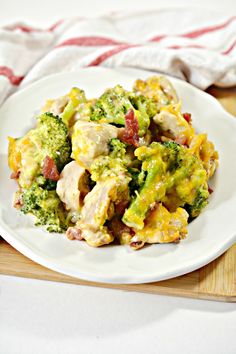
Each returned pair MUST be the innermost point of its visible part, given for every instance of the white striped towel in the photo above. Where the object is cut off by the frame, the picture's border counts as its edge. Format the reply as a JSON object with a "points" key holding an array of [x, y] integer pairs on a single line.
{"points": [[194, 45]]}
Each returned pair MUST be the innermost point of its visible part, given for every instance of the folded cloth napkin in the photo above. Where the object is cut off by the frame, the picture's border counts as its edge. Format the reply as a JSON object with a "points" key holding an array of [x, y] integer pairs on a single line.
{"points": [[192, 44]]}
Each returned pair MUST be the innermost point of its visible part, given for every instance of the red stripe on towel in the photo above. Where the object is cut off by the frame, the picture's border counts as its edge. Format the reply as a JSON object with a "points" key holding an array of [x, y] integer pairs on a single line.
{"points": [[104, 56], [226, 52], [229, 50], [29, 29], [89, 41], [26, 29], [202, 31], [187, 46], [197, 33], [14, 80], [55, 25]]}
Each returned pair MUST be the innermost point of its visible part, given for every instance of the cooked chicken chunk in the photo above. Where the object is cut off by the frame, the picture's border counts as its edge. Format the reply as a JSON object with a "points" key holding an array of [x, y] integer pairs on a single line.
{"points": [[159, 88], [56, 107], [98, 207], [173, 124], [94, 238], [97, 202], [71, 187], [162, 227], [89, 140]]}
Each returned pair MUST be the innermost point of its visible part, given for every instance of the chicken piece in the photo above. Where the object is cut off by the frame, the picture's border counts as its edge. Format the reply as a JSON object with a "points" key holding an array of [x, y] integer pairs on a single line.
{"points": [[98, 207], [94, 238], [173, 125], [161, 226], [205, 150], [70, 107], [72, 186], [97, 203], [56, 107], [89, 140], [159, 88]]}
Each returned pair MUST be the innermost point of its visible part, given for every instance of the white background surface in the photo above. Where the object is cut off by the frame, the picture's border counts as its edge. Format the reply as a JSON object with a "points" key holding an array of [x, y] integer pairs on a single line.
{"points": [[45, 317]]}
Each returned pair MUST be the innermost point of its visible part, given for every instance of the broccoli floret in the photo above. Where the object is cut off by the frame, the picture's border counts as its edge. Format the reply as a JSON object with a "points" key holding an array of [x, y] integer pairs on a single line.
{"points": [[117, 148], [138, 179], [46, 207], [105, 166], [27, 154], [199, 203], [144, 104], [113, 105], [77, 104], [112, 165], [46, 183], [170, 170], [51, 138], [152, 189], [173, 155]]}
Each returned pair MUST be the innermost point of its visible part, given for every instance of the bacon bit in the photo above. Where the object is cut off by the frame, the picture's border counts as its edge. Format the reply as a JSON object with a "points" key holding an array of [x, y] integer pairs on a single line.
{"points": [[130, 134], [121, 206], [210, 190], [15, 175], [18, 203], [132, 232], [136, 244], [73, 233], [50, 170], [188, 117]]}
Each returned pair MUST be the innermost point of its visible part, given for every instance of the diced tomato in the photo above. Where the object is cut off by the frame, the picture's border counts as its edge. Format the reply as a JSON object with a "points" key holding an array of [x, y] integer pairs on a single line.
{"points": [[49, 169], [130, 134]]}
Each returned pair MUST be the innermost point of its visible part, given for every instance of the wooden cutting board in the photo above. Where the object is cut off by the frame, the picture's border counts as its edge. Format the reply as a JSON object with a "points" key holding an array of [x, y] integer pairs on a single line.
{"points": [[215, 281]]}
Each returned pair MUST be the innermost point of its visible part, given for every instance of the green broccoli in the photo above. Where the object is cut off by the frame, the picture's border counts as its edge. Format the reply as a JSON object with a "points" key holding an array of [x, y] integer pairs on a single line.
{"points": [[51, 139], [46, 207], [173, 155], [199, 203], [105, 166], [117, 148], [77, 104], [112, 106], [45, 183], [145, 105], [137, 178], [153, 188], [170, 169], [114, 164], [114, 103]]}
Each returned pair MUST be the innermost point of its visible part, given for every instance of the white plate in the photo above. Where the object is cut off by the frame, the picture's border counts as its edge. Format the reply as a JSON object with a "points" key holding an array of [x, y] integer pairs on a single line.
{"points": [[213, 232]]}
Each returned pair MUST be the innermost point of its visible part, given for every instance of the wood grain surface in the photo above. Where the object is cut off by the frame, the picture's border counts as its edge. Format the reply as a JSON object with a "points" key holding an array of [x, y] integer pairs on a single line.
{"points": [[215, 281]]}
